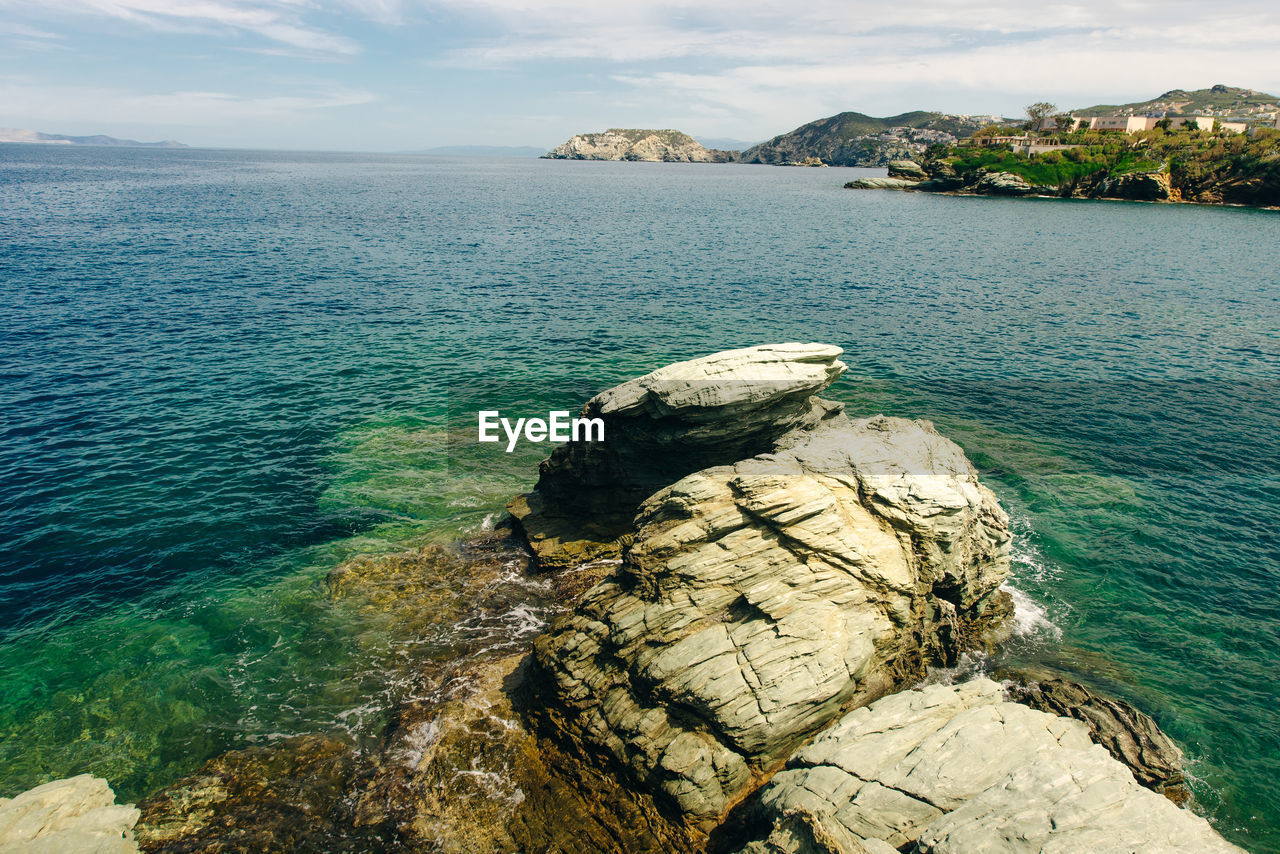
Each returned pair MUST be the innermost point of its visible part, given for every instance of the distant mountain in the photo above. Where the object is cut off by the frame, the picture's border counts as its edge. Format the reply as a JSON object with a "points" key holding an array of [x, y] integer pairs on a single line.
{"points": [[856, 139], [483, 151], [666, 145], [38, 138], [1216, 100]]}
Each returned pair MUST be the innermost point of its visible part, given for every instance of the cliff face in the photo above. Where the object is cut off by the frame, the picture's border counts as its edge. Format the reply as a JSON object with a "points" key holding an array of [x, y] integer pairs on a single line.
{"points": [[637, 144]]}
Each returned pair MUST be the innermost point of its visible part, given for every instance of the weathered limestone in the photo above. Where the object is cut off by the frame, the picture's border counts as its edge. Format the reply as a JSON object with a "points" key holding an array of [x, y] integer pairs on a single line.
{"points": [[1002, 184], [660, 427], [906, 169], [1128, 734], [955, 769], [757, 600], [78, 815], [637, 144], [890, 183]]}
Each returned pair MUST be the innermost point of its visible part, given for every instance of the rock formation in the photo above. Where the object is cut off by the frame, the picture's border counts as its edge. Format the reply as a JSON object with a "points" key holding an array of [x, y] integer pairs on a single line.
{"points": [[1128, 734], [739, 569], [78, 815], [757, 599], [660, 427], [882, 184], [636, 144], [956, 769]]}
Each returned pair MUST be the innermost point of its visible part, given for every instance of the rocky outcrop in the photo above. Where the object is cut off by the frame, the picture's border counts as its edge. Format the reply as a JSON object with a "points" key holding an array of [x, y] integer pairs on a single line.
{"points": [[78, 815], [660, 427], [1134, 186], [636, 144], [882, 184], [908, 169], [756, 600], [1001, 184], [956, 769], [1128, 734]]}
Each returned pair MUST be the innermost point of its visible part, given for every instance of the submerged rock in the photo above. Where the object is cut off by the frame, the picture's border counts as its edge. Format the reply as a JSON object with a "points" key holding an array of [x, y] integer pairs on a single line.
{"points": [[78, 815], [289, 796], [756, 601], [957, 769]]}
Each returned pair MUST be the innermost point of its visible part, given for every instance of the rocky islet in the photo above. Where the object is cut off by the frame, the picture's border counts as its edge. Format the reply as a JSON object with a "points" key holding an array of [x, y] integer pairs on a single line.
{"points": [[751, 582]]}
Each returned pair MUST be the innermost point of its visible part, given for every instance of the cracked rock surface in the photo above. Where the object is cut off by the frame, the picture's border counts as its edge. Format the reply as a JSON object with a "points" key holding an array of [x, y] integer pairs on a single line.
{"points": [[954, 769], [758, 600]]}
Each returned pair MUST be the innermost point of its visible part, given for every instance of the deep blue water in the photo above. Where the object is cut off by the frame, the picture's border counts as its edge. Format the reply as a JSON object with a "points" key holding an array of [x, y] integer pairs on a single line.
{"points": [[222, 373]]}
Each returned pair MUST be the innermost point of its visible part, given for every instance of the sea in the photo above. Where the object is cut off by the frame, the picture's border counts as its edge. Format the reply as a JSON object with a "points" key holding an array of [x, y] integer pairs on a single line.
{"points": [[225, 373]]}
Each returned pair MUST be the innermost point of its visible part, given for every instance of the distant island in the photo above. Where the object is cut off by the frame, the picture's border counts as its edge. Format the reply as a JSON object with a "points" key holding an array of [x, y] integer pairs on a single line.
{"points": [[37, 138], [671, 146]]}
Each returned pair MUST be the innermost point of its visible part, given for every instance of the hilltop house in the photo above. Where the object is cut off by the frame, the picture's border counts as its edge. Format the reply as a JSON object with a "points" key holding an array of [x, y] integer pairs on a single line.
{"points": [[1137, 124]]}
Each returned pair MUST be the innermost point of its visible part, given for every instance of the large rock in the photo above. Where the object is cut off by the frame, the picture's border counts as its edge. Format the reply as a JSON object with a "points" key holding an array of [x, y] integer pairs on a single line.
{"points": [[908, 169], [1135, 186], [958, 769], [757, 600], [1002, 184], [660, 427], [78, 815], [882, 184], [1131, 736], [637, 144]]}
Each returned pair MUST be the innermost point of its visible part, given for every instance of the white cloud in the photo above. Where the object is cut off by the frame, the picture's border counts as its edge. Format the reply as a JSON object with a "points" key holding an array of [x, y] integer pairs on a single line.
{"points": [[43, 106], [279, 21]]}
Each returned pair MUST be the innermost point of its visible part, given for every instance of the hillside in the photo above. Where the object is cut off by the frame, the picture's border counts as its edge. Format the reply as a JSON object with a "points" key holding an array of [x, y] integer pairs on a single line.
{"points": [[38, 138], [856, 139], [1156, 165], [1216, 100], [637, 144]]}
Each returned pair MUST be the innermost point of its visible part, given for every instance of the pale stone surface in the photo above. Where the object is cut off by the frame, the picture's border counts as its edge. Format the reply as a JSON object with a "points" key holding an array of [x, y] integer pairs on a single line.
{"points": [[906, 169], [660, 427], [956, 769], [77, 815], [757, 600], [636, 144], [1002, 184], [891, 183]]}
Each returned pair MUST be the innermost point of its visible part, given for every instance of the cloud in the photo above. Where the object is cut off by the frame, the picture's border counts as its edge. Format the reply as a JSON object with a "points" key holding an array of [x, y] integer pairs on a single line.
{"points": [[280, 21], [40, 104]]}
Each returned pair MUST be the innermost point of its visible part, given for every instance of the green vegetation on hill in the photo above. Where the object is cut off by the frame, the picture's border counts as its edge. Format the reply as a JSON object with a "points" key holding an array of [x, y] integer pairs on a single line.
{"points": [[666, 135], [856, 139], [1182, 102], [1200, 166]]}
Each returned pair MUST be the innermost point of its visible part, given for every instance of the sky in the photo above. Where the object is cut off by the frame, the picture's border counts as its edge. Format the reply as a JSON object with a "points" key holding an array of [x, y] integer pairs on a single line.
{"points": [[393, 75]]}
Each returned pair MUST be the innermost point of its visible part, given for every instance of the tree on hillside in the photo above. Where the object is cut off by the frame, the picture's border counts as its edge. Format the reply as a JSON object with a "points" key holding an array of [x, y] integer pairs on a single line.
{"points": [[1064, 122], [1038, 112]]}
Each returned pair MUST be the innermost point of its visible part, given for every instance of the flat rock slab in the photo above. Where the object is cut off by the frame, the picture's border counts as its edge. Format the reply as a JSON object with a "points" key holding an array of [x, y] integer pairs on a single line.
{"points": [[78, 815], [959, 769]]}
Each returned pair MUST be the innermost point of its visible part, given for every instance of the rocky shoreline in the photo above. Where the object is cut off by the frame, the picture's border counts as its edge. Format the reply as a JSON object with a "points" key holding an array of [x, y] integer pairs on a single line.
{"points": [[752, 587], [938, 176]]}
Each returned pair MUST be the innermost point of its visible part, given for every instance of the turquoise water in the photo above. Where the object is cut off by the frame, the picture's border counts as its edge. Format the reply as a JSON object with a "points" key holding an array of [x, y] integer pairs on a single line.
{"points": [[224, 373]]}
